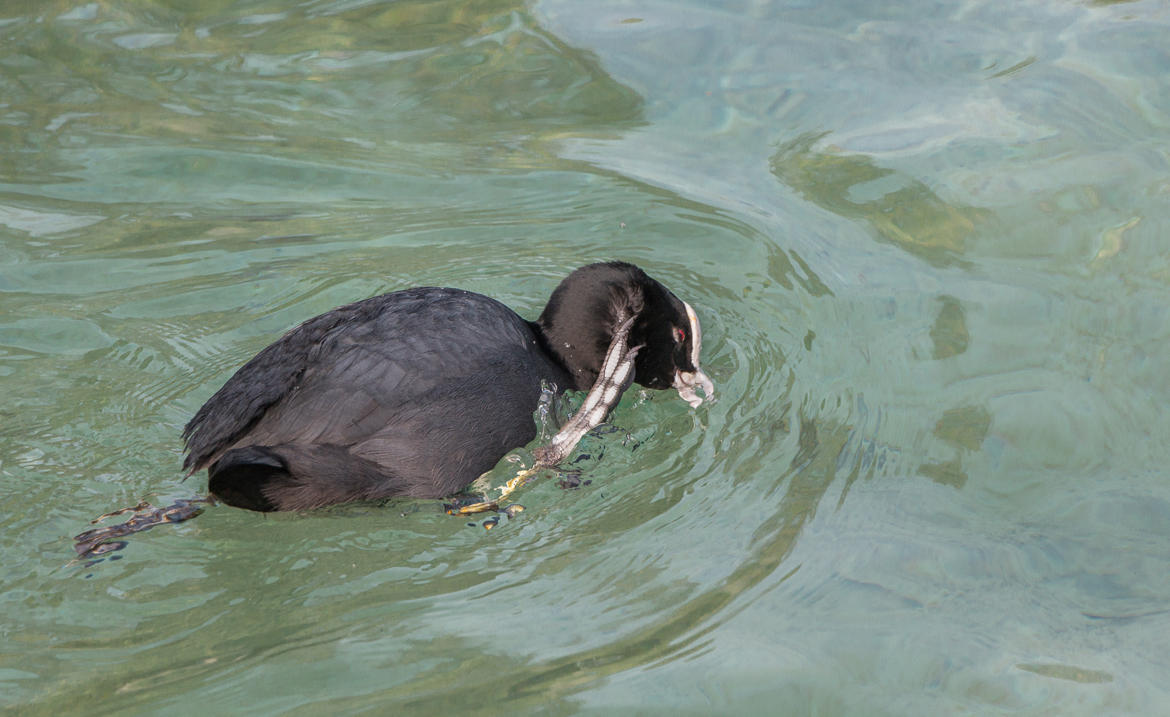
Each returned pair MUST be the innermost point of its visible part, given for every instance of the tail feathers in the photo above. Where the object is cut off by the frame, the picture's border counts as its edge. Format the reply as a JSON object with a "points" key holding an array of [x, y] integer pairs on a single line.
{"points": [[298, 477]]}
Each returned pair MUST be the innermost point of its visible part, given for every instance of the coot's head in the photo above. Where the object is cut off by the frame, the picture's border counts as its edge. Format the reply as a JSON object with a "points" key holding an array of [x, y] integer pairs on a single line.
{"points": [[589, 305]]}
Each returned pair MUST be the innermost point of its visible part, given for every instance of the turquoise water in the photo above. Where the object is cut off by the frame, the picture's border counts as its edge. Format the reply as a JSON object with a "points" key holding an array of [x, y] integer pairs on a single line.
{"points": [[928, 243]]}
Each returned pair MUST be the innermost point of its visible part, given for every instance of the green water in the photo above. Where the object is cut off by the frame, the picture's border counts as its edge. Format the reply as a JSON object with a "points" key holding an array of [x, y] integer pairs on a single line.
{"points": [[928, 243]]}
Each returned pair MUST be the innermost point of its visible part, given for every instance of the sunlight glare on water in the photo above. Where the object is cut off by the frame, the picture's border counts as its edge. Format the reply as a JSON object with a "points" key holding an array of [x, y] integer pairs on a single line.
{"points": [[927, 243]]}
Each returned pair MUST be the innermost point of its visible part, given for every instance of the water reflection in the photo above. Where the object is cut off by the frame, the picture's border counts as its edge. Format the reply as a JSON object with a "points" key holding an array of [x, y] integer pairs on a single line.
{"points": [[899, 208], [949, 332], [964, 428], [382, 75]]}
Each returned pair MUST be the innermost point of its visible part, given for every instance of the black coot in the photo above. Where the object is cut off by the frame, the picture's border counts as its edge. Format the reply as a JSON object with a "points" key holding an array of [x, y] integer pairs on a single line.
{"points": [[418, 392]]}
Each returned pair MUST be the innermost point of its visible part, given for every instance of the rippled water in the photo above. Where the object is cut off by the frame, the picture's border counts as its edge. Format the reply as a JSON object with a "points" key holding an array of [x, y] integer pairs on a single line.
{"points": [[928, 243]]}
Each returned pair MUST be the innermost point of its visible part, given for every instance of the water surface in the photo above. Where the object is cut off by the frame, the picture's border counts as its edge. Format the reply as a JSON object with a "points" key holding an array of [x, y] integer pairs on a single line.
{"points": [[928, 245]]}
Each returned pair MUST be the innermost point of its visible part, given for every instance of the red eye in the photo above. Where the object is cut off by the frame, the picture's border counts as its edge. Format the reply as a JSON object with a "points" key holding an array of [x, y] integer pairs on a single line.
{"points": [[679, 335]]}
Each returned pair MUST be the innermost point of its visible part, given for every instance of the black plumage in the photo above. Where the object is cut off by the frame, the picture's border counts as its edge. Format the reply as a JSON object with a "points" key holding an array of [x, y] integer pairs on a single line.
{"points": [[418, 392]]}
